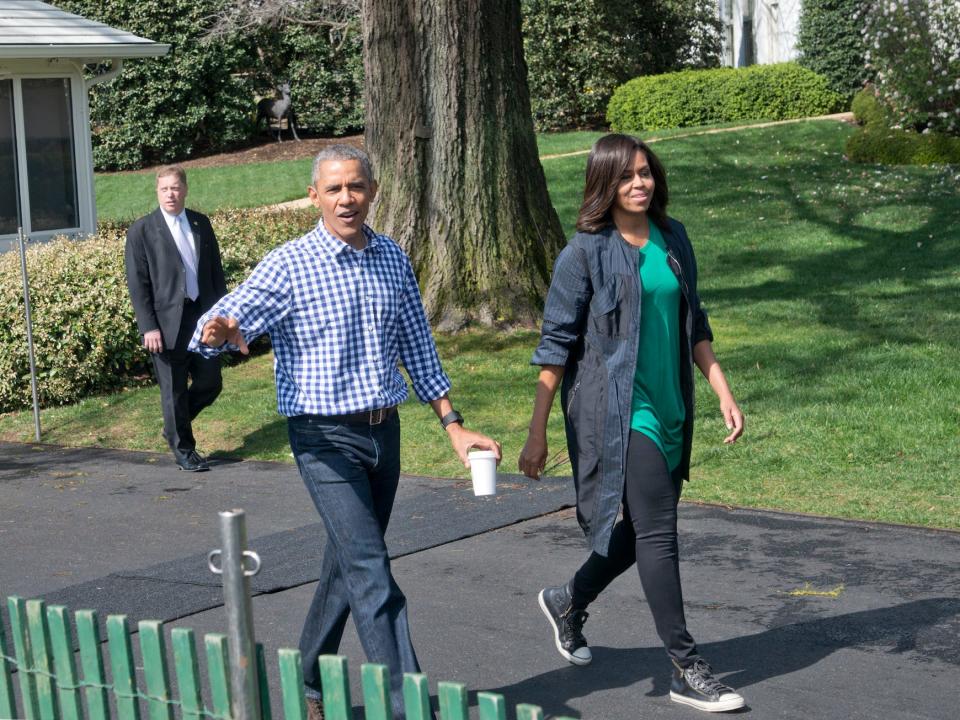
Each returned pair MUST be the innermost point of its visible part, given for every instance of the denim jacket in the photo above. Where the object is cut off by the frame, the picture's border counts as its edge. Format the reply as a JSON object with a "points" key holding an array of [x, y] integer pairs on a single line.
{"points": [[591, 325]]}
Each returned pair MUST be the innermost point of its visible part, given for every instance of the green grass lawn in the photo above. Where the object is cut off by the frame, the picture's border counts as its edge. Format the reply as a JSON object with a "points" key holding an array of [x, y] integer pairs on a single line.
{"points": [[834, 294], [127, 196], [580, 141]]}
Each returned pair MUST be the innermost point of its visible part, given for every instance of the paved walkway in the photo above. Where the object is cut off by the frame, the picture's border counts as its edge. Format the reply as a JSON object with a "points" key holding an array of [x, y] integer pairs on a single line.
{"points": [[809, 617]]}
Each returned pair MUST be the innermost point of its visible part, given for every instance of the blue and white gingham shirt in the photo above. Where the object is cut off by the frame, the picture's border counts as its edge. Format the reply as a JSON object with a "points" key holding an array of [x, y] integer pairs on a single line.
{"points": [[339, 320]]}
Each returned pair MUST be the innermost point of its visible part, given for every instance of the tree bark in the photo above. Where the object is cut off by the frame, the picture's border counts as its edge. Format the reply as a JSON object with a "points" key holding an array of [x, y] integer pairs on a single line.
{"points": [[449, 130]]}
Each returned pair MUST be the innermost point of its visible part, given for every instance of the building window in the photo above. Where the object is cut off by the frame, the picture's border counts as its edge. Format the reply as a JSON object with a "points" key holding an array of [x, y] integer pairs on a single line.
{"points": [[51, 168]]}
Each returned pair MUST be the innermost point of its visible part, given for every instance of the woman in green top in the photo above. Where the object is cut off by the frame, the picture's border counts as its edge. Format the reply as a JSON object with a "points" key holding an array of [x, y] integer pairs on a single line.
{"points": [[622, 329]]}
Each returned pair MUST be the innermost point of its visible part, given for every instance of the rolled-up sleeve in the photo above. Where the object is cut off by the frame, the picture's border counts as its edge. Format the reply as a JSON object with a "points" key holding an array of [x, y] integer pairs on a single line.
{"points": [[566, 308]]}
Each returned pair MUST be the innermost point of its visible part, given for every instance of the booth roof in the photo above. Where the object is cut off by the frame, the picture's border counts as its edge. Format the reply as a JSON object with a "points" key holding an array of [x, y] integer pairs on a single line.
{"points": [[34, 29]]}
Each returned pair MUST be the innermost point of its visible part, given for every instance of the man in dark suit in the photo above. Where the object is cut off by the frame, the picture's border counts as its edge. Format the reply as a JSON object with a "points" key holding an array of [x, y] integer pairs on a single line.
{"points": [[175, 275]]}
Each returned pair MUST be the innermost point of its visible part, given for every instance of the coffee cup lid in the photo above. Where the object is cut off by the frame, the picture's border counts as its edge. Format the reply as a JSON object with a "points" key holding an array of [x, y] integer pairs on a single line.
{"points": [[480, 454]]}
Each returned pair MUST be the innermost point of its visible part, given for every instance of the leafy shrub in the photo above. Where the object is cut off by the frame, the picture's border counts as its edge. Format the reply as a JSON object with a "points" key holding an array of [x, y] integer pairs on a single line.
{"points": [[913, 52], [158, 110], [325, 72], [572, 65], [704, 97], [877, 143], [882, 141], [578, 51], [867, 110], [245, 236], [830, 42], [84, 330], [83, 327]]}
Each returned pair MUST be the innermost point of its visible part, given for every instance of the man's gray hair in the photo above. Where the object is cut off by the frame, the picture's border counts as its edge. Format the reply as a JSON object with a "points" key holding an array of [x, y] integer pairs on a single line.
{"points": [[342, 152]]}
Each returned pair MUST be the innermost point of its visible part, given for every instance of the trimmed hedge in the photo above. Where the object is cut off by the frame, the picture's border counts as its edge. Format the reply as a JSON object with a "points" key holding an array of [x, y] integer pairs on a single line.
{"points": [[877, 142], [706, 97], [84, 332]]}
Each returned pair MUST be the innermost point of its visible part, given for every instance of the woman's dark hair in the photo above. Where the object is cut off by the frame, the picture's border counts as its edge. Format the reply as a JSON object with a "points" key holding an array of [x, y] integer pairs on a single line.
{"points": [[610, 157]]}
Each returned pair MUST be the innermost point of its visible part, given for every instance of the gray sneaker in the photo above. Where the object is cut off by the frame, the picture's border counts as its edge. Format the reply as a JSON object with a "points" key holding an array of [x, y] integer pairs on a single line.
{"points": [[556, 604], [697, 687]]}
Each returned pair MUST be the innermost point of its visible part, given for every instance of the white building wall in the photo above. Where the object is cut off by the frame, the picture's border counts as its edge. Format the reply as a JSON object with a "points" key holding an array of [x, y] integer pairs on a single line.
{"points": [[759, 31]]}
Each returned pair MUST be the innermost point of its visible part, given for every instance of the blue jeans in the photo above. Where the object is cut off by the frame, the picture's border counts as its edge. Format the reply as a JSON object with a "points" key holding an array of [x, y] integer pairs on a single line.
{"points": [[352, 472]]}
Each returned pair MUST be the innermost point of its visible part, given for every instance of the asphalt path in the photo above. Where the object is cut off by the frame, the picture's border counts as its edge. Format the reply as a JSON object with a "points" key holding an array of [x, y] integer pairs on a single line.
{"points": [[808, 617]]}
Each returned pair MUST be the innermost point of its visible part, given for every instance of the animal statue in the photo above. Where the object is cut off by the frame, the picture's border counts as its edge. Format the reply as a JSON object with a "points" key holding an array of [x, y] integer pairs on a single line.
{"points": [[276, 110]]}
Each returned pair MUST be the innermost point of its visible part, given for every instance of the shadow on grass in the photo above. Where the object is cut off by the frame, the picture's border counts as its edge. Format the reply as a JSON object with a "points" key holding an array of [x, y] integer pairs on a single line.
{"points": [[488, 342], [267, 441], [876, 284], [750, 659]]}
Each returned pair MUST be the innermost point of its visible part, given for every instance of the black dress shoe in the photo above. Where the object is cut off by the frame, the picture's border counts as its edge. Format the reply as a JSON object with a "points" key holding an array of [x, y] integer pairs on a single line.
{"points": [[192, 462]]}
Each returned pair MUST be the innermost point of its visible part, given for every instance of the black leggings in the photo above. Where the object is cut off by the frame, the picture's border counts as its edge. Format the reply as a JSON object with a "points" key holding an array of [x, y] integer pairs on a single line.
{"points": [[647, 534]]}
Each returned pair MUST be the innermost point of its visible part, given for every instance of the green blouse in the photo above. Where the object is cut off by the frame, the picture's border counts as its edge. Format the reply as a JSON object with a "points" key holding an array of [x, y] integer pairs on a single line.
{"points": [[657, 408]]}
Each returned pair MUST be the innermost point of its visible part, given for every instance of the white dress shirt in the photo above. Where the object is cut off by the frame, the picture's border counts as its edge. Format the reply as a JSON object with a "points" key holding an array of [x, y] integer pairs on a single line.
{"points": [[186, 244]]}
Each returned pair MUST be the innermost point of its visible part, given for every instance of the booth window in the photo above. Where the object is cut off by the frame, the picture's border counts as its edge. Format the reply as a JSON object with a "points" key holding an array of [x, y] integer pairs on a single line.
{"points": [[9, 185], [51, 169]]}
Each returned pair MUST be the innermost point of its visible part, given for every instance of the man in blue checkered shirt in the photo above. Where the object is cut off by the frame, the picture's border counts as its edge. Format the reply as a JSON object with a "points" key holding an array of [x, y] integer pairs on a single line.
{"points": [[342, 307]]}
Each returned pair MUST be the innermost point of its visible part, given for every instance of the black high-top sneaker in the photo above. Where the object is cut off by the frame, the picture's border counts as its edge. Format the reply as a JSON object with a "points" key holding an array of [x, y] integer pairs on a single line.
{"points": [[697, 687], [557, 605]]}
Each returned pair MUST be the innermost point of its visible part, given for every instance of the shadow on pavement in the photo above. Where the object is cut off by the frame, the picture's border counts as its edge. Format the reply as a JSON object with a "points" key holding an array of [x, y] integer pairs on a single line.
{"points": [[747, 660]]}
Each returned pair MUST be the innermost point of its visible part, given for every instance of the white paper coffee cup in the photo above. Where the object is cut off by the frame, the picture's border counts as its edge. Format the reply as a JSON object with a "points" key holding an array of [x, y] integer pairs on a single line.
{"points": [[483, 469]]}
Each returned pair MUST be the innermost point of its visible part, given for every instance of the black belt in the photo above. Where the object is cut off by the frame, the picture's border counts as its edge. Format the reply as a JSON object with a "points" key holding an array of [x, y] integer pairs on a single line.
{"points": [[367, 417]]}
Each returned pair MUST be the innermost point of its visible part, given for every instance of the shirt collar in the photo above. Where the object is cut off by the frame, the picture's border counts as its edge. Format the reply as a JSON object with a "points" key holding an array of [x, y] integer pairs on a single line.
{"points": [[335, 246], [171, 219]]}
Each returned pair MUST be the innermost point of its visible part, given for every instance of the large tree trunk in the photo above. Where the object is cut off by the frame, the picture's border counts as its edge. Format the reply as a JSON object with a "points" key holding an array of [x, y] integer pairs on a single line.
{"points": [[449, 130]]}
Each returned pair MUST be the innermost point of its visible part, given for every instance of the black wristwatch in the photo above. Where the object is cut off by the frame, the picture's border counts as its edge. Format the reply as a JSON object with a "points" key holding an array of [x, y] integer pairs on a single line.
{"points": [[451, 417]]}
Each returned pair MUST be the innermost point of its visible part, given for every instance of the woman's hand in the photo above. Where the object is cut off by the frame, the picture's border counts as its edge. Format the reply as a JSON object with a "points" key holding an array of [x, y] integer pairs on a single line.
{"points": [[707, 362], [732, 417], [533, 456]]}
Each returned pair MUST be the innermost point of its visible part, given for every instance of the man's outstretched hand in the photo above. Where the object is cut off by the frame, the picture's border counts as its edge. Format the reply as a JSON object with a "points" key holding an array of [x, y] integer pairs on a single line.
{"points": [[219, 330]]}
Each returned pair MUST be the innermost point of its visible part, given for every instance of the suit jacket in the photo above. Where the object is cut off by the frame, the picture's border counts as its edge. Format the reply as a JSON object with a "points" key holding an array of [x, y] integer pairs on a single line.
{"points": [[156, 276]]}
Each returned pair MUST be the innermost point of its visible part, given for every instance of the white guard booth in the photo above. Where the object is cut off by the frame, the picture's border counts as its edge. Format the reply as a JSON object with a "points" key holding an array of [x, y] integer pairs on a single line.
{"points": [[46, 163]]}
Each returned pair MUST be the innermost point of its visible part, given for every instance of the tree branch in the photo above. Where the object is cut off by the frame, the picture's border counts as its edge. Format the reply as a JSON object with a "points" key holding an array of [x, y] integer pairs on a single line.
{"points": [[249, 16]]}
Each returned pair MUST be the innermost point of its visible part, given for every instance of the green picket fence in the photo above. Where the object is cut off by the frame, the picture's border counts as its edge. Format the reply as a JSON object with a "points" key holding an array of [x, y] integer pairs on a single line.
{"points": [[52, 687]]}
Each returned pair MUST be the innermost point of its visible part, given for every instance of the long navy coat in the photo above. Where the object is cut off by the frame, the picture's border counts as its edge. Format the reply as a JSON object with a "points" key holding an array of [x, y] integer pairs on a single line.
{"points": [[591, 325]]}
